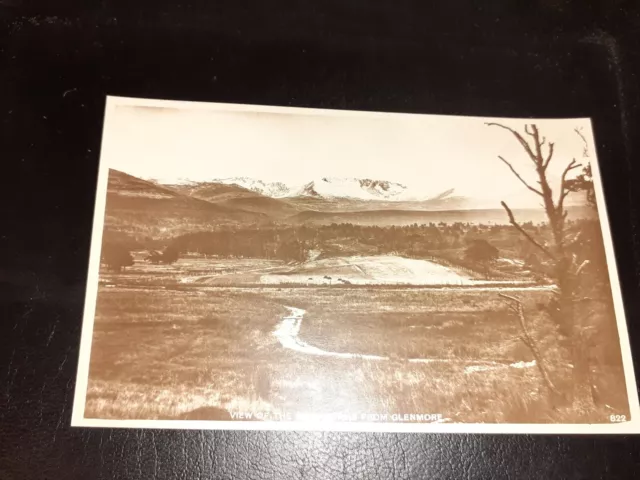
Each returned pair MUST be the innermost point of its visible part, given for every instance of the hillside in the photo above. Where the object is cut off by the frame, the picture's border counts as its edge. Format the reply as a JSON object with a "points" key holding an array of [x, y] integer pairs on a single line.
{"points": [[211, 191], [384, 218], [237, 197], [321, 204], [139, 209], [268, 189], [349, 189]]}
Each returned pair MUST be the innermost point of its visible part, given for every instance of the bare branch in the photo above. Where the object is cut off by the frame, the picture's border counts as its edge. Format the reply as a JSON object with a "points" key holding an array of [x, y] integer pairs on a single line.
{"points": [[573, 165], [526, 130], [538, 146], [582, 265], [509, 297], [520, 139], [524, 339], [564, 191], [513, 170], [513, 222], [549, 156], [559, 208], [529, 341], [585, 150], [576, 238]]}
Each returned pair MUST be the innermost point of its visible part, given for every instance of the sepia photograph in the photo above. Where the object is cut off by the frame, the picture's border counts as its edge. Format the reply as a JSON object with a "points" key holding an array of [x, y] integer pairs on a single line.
{"points": [[281, 268]]}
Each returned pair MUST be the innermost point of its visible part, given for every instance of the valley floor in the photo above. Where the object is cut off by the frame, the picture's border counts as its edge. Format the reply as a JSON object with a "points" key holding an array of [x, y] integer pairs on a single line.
{"points": [[378, 270], [204, 338], [374, 270]]}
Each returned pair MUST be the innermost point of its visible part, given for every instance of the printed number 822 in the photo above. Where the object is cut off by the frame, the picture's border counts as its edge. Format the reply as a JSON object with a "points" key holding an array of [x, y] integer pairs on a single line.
{"points": [[617, 418]]}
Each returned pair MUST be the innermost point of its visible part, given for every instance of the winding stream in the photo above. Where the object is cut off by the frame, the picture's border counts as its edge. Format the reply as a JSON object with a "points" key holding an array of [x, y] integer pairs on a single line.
{"points": [[288, 330]]}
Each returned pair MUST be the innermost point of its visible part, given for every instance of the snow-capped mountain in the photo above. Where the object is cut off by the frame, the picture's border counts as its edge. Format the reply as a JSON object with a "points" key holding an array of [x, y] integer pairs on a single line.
{"points": [[367, 190], [335, 188], [357, 188], [269, 189]]}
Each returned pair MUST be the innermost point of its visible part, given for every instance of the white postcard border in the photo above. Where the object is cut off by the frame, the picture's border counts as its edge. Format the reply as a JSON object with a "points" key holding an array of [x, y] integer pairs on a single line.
{"points": [[78, 419]]}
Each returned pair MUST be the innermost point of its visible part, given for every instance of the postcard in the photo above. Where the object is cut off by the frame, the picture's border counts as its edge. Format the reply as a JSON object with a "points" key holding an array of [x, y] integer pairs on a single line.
{"points": [[277, 268]]}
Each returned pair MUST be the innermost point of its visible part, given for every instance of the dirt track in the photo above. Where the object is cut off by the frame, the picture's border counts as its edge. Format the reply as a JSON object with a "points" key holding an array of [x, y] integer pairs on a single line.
{"points": [[288, 330]]}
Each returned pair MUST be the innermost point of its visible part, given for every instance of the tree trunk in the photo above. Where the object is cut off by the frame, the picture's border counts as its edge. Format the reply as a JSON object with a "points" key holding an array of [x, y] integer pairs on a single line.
{"points": [[562, 310], [580, 377], [571, 330]]}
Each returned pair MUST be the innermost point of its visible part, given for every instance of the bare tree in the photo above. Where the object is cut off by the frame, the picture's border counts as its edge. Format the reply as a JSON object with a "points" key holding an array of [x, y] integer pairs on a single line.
{"points": [[564, 265], [526, 338], [585, 149]]}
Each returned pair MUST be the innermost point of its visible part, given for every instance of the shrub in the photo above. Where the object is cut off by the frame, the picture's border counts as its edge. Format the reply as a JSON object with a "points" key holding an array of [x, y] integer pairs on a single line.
{"points": [[116, 257], [481, 251]]}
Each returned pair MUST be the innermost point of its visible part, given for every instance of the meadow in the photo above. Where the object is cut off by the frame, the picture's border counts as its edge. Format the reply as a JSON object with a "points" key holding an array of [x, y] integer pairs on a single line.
{"points": [[164, 348]]}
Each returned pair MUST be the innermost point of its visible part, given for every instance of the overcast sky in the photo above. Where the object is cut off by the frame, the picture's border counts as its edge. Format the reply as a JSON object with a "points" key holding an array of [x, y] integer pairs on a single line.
{"points": [[428, 153]]}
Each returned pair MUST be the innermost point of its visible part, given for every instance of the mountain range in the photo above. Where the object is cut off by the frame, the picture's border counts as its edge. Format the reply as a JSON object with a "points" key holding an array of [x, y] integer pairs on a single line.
{"points": [[349, 194], [268, 189], [143, 208], [332, 188]]}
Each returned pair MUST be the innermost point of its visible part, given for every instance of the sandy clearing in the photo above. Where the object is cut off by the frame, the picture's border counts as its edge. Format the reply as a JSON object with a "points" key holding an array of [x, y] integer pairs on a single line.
{"points": [[383, 269], [375, 270]]}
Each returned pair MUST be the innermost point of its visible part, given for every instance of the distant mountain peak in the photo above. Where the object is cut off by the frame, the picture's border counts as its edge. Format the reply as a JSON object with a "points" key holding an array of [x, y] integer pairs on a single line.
{"points": [[269, 189], [324, 187], [355, 188], [333, 188]]}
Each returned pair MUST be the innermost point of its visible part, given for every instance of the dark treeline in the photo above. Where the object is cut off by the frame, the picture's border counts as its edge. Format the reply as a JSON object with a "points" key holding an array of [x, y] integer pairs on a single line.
{"points": [[465, 245], [296, 243]]}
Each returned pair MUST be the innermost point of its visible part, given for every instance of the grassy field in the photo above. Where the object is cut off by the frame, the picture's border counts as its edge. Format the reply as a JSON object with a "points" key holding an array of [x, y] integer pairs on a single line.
{"points": [[166, 349]]}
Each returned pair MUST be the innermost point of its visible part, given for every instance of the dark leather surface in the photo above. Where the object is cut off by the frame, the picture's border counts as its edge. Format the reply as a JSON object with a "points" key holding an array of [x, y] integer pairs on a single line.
{"points": [[58, 61]]}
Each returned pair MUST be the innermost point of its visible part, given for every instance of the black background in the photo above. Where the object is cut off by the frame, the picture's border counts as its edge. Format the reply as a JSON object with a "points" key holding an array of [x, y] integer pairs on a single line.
{"points": [[59, 59]]}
